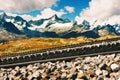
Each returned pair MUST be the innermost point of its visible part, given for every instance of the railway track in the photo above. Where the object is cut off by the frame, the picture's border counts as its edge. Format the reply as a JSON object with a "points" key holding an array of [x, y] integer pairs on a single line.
{"points": [[62, 53], [59, 59], [61, 47]]}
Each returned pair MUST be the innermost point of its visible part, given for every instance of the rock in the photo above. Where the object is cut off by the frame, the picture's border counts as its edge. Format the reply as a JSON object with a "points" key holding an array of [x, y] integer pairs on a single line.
{"points": [[35, 67], [117, 58], [86, 67], [10, 69], [1, 78], [17, 68], [23, 70], [30, 67], [119, 78], [42, 71], [111, 56], [44, 75], [36, 74], [100, 78], [69, 75], [1, 74], [17, 78], [98, 72], [110, 62], [94, 78], [115, 67], [90, 73], [10, 76], [108, 78], [73, 70], [13, 72], [29, 73], [30, 77], [102, 66], [55, 74], [2, 69], [108, 69], [79, 79], [87, 59], [80, 75], [115, 75], [105, 73], [64, 75]]}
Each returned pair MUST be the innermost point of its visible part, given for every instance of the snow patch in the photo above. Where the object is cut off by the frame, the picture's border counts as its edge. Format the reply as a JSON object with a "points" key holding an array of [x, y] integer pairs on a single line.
{"points": [[60, 27]]}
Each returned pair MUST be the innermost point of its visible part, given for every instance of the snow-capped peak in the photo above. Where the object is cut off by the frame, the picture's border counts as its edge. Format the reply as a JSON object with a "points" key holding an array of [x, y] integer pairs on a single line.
{"points": [[54, 17], [3, 15]]}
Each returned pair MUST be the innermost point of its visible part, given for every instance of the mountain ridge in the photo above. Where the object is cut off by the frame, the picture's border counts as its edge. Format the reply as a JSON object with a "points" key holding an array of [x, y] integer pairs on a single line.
{"points": [[54, 27]]}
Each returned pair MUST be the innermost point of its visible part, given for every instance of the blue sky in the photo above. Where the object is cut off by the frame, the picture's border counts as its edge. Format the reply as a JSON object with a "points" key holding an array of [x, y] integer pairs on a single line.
{"points": [[78, 6], [91, 10]]}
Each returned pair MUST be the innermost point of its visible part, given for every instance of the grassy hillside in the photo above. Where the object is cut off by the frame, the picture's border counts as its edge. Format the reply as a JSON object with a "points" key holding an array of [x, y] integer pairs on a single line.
{"points": [[42, 43]]}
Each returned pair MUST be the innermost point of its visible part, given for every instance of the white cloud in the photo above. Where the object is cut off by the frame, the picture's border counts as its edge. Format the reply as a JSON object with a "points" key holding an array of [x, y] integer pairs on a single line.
{"points": [[11, 14], [70, 9], [45, 13], [25, 5], [48, 12], [101, 10], [114, 20], [27, 17]]}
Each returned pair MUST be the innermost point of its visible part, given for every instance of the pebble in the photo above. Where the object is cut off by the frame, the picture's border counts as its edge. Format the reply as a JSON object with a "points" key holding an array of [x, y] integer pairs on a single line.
{"points": [[105, 73], [98, 72], [1, 74], [64, 75], [17, 68], [100, 78], [117, 59], [70, 75], [13, 72], [36, 74], [29, 77], [102, 66], [80, 74], [119, 79], [115, 67], [105, 67], [23, 70], [30, 67]]}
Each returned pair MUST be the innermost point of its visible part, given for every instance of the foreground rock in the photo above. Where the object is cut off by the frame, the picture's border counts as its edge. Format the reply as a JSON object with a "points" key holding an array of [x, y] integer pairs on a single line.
{"points": [[86, 68]]}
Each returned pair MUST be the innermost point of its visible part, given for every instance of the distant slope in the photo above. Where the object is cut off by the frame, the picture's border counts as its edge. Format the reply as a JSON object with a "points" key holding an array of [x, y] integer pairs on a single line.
{"points": [[88, 34], [43, 43], [5, 35]]}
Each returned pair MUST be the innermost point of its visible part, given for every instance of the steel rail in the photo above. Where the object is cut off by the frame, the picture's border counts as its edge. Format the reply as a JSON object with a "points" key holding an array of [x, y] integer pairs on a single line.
{"points": [[60, 59]]}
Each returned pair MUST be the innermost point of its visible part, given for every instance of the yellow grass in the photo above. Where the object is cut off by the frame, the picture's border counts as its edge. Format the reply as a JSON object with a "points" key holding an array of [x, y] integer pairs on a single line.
{"points": [[42, 43]]}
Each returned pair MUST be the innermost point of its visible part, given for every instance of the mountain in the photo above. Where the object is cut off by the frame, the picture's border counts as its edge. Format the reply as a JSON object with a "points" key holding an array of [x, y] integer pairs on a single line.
{"points": [[88, 34], [5, 35], [17, 21], [53, 27], [8, 30], [49, 21], [107, 29], [52, 24]]}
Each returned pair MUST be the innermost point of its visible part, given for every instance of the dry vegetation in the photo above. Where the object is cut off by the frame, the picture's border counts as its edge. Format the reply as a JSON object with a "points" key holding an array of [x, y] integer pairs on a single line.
{"points": [[42, 43]]}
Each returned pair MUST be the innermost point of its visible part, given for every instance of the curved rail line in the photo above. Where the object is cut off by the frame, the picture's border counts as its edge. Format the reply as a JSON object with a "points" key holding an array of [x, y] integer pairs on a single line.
{"points": [[66, 52], [61, 47], [59, 59]]}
